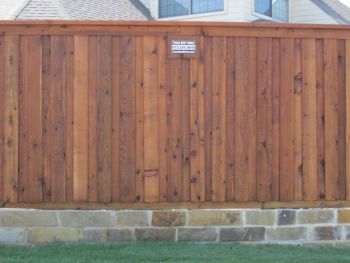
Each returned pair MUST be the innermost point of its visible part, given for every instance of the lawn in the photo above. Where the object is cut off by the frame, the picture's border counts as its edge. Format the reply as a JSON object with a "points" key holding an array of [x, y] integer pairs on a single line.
{"points": [[171, 252]]}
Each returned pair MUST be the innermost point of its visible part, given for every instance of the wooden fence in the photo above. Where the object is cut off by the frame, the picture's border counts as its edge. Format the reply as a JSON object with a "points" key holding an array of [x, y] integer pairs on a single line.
{"points": [[107, 113]]}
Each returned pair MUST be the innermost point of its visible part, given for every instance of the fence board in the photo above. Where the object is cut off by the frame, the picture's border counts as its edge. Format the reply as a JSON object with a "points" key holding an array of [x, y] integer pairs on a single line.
{"points": [[174, 129], [104, 120], [230, 120], [127, 119], [2, 102], [342, 120], [162, 115], [151, 117], [81, 118], [208, 117], [46, 80], [264, 120], [30, 99], [92, 87], [331, 119], [140, 187], [286, 125], [219, 119], [347, 91], [298, 138], [276, 86], [309, 133], [320, 133], [69, 116]]}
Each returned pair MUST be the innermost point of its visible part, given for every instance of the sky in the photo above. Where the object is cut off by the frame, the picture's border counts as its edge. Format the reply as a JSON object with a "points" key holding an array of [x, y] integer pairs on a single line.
{"points": [[347, 2]]}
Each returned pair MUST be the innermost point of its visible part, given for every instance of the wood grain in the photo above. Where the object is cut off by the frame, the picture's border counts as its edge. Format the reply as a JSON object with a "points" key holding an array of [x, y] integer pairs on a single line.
{"points": [[99, 113]]}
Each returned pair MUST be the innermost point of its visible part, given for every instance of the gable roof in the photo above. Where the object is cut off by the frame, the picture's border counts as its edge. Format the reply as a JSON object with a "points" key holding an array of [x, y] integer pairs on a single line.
{"points": [[76, 10], [335, 9]]}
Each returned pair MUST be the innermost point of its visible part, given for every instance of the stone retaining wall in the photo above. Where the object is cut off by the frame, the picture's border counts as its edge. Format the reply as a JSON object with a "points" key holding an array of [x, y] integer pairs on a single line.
{"points": [[23, 226]]}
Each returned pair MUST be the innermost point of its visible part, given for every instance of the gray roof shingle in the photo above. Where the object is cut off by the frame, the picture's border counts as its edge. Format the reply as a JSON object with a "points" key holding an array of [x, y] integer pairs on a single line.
{"points": [[78, 10]]}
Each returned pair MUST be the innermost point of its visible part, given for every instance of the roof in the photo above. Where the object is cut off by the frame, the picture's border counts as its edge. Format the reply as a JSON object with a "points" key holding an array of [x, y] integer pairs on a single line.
{"points": [[74, 10], [335, 9]]}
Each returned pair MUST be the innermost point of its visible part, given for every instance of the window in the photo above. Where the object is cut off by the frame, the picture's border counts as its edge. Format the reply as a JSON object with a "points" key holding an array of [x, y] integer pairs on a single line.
{"points": [[277, 9], [170, 8]]}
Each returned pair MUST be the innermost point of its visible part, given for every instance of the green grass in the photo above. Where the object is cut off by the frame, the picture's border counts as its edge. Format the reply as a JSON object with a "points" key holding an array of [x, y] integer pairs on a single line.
{"points": [[171, 252]]}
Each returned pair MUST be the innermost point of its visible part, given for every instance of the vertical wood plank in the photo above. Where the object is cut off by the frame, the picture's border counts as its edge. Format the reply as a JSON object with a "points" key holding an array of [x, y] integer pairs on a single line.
{"points": [[23, 105], [194, 128], [162, 115], [197, 127], [56, 121], [30, 98], [241, 113], [276, 85], [342, 120], [81, 118], [139, 100], [2, 103], [309, 120], [174, 130], [92, 86], [286, 125], [347, 90], [185, 137], [10, 165], [230, 121], [264, 120], [331, 119], [104, 120], [208, 117], [69, 115], [219, 119], [46, 86], [320, 133], [151, 135], [298, 139], [128, 118], [116, 121], [245, 120], [252, 105]]}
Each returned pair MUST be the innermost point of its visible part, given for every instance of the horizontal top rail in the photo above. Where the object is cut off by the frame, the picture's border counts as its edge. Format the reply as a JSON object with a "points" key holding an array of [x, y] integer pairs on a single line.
{"points": [[237, 29]]}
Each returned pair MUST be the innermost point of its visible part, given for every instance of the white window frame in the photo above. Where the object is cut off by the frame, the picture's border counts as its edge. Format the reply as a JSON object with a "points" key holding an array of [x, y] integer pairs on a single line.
{"points": [[269, 17], [214, 13]]}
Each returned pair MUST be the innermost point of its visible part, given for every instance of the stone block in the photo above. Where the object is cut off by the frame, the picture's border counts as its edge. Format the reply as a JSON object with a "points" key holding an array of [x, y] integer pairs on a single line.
{"points": [[46, 235], [327, 233], [27, 218], [86, 218], [344, 216], [286, 234], [240, 234], [197, 234], [286, 217], [346, 232], [260, 217], [316, 216], [168, 218], [115, 235], [11, 236], [95, 235], [132, 218], [214, 218], [155, 234]]}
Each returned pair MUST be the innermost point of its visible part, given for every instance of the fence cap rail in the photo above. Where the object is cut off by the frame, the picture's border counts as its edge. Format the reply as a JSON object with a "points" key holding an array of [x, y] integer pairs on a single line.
{"points": [[161, 28], [168, 23]]}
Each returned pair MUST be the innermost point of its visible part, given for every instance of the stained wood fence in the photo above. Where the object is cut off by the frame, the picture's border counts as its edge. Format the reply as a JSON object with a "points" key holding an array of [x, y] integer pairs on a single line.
{"points": [[99, 112]]}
